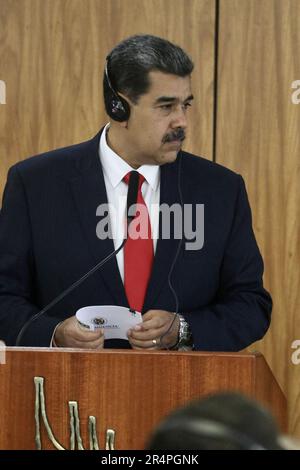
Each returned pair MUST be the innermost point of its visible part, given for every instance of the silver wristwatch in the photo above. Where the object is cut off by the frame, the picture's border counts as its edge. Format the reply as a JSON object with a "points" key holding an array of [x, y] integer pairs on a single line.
{"points": [[185, 338]]}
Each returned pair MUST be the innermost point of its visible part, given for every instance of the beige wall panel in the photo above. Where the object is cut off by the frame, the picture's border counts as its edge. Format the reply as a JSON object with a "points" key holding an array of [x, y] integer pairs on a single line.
{"points": [[258, 136], [52, 55]]}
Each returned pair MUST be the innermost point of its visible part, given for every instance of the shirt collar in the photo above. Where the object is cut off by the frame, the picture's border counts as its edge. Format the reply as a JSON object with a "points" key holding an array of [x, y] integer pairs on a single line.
{"points": [[115, 168]]}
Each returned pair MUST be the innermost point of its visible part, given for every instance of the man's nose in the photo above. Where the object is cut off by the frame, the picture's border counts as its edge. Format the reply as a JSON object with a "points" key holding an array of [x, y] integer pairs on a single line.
{"points": [[180, 119]]}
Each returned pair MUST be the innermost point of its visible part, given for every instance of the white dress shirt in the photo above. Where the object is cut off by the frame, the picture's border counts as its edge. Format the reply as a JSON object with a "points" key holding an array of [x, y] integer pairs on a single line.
{"points": [[114, 170]]}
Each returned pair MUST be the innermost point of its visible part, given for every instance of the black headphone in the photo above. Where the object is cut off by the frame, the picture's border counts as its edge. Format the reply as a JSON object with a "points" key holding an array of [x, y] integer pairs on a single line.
{"points": [[117, 107], [211, 430]]}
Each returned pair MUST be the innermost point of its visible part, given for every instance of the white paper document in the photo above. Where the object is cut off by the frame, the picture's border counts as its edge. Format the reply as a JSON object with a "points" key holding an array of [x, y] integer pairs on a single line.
{"points": [[114, 320]]}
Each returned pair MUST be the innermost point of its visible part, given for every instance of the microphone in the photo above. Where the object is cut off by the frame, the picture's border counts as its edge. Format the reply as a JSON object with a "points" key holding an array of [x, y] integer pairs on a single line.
{"points": [[131, 200], [176, 314]]}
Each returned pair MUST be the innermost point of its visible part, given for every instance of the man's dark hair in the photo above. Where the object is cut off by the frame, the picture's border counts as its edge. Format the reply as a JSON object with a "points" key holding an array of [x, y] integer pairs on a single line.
{"points": [[228, 421], [132, 59]]}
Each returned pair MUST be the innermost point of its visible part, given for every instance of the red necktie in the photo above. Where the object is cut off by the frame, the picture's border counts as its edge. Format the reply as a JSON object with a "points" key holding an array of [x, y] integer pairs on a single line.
{"points": [[138, 253]]}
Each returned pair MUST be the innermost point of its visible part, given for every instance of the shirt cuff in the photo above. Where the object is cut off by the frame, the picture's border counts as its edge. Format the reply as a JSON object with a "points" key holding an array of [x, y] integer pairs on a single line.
{"points": [[52, 342]]}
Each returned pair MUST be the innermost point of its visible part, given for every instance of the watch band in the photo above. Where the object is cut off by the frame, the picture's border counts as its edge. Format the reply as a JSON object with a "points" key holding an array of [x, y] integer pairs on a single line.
{"points": [[185, 337]]}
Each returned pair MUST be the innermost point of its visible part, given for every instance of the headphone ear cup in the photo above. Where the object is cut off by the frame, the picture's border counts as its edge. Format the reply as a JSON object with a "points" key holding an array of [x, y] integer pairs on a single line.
{"points": [[116, 107], [120, 109], [126, 108]]}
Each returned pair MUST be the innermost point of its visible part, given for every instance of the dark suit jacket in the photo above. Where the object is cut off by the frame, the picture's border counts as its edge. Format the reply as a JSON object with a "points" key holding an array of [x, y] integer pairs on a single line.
{"points": [[48, 240]]}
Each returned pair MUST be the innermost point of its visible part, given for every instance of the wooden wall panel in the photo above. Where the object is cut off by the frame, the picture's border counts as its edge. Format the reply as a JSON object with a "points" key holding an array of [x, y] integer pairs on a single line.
{"points": [[51, 58], [258, 136], [52, 55]]}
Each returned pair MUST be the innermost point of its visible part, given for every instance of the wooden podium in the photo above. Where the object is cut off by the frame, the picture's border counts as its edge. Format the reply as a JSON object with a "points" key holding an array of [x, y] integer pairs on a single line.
{"points": [[114, 398]]}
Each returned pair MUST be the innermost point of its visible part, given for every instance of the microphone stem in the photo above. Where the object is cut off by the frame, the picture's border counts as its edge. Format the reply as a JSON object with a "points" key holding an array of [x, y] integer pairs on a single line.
{"points": [[67, 291]]}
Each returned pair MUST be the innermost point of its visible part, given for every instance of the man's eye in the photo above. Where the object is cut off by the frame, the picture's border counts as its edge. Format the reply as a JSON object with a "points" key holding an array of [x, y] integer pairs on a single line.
{"points": [[166, 106], [169, 107]]}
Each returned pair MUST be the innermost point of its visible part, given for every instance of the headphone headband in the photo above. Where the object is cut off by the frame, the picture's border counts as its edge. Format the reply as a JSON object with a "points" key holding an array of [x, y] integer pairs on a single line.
{"points": [[209, 429]]}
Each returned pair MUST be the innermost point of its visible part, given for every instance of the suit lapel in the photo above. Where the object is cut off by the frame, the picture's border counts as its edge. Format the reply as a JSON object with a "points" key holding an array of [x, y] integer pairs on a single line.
{"points": [[165, 248], [89, 192]]}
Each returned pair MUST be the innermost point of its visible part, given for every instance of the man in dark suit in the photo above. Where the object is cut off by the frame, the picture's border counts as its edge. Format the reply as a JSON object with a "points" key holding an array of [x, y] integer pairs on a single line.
{"points": [[209, 296]]}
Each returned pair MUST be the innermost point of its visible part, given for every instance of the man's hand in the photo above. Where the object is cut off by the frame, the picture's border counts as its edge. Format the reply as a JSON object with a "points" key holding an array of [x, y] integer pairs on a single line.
{"points": [[69, 334], [155, 324]]}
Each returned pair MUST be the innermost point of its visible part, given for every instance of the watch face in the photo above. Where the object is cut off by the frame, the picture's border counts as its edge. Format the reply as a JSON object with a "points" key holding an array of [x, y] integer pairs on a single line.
{"points": [[185, 335]]}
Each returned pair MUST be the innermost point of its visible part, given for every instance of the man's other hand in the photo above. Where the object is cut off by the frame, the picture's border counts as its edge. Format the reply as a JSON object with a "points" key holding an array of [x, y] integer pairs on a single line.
{"points": [[69, 334], [148, 334]]}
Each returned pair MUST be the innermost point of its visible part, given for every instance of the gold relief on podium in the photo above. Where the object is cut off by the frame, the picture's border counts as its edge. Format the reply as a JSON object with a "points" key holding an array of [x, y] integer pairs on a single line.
{"points": [[75, 433]]}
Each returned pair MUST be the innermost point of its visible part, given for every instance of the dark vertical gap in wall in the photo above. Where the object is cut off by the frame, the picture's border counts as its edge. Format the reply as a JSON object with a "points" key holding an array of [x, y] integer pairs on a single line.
{"points": [[215, 92]]}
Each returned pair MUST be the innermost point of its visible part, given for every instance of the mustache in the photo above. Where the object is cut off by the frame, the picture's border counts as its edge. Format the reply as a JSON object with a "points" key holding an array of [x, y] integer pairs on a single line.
{"points": [[179, 134]]}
